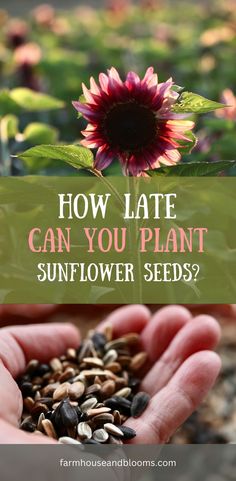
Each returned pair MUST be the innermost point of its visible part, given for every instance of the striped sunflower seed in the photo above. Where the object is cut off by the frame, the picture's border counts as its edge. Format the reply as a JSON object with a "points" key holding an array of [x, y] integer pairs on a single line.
{"points": [[113, 429], [138, 361], [68, 440], [76, 390], [125, 392], [117, 417], [103, 418], [114, 440], [88, 404], [67, 374], [56, 364], [84, 430], [93, 389], [110, 356], [116, 344], [49, 428], [100, 435], [40, 419], [108, 332], [61, 392], [94, 412], [93, 361], [108, 388]]}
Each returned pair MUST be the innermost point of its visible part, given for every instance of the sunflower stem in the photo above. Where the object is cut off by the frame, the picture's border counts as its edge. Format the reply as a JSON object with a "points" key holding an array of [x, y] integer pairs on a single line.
{"points": [[105, 180], [5, 154], [139, 279]]}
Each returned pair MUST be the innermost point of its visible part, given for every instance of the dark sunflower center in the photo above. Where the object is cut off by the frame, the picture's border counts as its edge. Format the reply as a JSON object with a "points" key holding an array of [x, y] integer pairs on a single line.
{"points": [[130, 126]]}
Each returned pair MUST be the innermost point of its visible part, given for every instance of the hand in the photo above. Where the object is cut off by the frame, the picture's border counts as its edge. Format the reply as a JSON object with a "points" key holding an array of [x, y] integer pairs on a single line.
{"points": [[181, 367], [25, 313]]}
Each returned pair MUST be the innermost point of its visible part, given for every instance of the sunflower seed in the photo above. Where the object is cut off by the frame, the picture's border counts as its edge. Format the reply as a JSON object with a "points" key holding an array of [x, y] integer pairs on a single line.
{"points": [[94, 412], [99, 340], [139, 404], [100, 435], [93, 361], [90, 441], [125, 392], [93, 389], [61, 392], [67, 374], [49, 428], [32, 366], [40, 419], [71, 353], [108, 388], [128, 433], [103, 418], [56, 364], [68, 414], [114, 440], [84, 430], [114, 367], [68, 440], [110, 356], [88, 404], [138, 361], [49, 389], [28, 426], [38, 409], [116, 344], [28, 403], [93, 372], [117, 417], [112, 429], [108, 332], [86, 393], [119, 403], [131, 338], [85, 349], [76, 390]]}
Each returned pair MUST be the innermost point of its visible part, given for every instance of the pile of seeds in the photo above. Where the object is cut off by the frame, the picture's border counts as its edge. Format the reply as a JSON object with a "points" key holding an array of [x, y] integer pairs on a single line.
{"points": [[86, 395]]}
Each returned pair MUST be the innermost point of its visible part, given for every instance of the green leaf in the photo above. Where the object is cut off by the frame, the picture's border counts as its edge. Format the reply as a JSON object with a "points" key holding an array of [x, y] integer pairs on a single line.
{"points": [[38, 133], [189, 102], [177, 88], [34, 101], [187, 147], [193, 169], [7, 104], [11, 125], [74, 155]]}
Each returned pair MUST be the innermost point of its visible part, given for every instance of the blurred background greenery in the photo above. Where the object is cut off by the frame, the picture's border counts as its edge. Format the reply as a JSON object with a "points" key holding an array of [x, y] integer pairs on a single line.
{"points": [[54, 48]]}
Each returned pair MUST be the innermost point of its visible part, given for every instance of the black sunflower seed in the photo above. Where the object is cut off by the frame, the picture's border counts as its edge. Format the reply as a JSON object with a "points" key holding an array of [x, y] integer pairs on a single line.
{"points": [[119, 403], [99, 340], [42, 369], [28, 426], [133, 382], [27, 389], [139, 404], [69, 415], [129, 433]]}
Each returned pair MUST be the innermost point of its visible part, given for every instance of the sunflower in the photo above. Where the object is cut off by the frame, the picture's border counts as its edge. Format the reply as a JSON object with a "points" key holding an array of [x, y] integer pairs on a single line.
{"points": [[132, 121]]}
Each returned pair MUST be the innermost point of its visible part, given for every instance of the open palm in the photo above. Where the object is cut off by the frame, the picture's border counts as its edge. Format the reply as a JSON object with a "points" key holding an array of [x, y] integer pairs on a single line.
{"points": [[180, 371]]}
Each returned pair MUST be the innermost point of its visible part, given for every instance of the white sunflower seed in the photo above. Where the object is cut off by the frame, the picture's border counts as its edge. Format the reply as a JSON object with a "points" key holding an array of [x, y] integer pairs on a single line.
{"points": [[100, 435], [84, 430]]}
